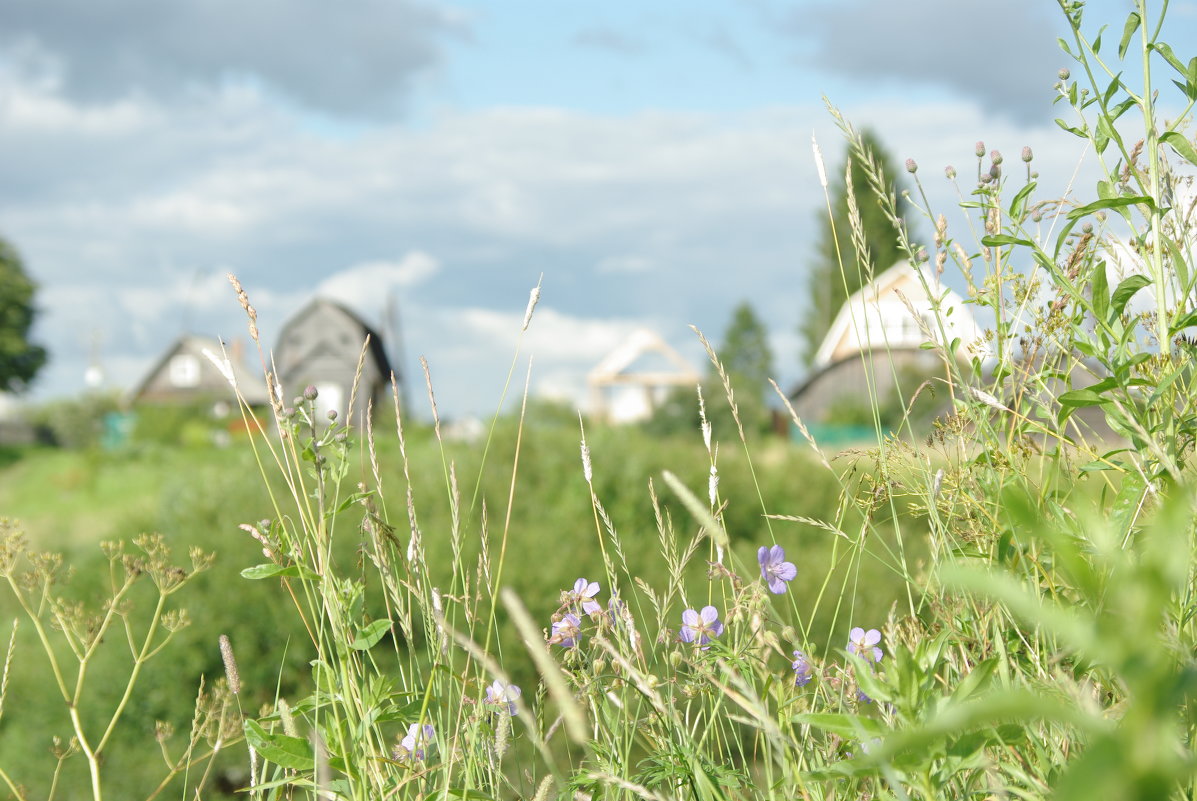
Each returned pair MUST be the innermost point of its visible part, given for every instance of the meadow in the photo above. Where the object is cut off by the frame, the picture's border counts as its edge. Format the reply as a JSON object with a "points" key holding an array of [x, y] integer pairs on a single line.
{"points": [[1003, 608]]}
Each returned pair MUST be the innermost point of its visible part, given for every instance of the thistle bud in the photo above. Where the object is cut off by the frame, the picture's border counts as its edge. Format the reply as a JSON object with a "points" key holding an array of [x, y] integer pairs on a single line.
{"points": [[980, 149], [1064, 74], [995, 156], [950, 172], [1027, 155], [310, 392], [912, 166]]}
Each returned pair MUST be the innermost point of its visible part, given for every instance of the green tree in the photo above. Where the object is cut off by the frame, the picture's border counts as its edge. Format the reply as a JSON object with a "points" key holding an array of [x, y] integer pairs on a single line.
{"points": [[828, 286], [748, 362], [745, 352], [20, 359]]}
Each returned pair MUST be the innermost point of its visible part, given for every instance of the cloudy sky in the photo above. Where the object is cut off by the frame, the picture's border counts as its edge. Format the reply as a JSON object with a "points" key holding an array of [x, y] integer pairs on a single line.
{"points": [[651, 159]]}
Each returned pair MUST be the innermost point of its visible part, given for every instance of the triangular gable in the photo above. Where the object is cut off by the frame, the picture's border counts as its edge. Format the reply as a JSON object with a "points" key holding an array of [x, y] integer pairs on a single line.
{"points": [[641, 342], [860, 323]]}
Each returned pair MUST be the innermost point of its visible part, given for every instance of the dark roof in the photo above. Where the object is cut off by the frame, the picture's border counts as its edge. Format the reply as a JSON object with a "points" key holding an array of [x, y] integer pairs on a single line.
{"points": [[377, 350]]}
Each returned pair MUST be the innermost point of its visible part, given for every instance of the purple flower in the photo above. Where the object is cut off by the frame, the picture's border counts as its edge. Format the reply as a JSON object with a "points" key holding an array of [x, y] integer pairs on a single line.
{"points": [[416, 745], [583, 593], [701, 626], [864, 643], [803, 672], [500, 693], [567, 631], [774, 569]]}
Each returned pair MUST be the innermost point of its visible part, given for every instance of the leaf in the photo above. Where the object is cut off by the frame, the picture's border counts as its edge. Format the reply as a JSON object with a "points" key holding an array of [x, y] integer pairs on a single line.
{"points": [[1019, 201], [1166, 51], [1111, 203], [852, 726], [1081, 397], [1181, 145], [1128, 30], [1125, 291], [997, 240], [1072, 129], [1100, 290], [368, 636], [281, 749], [270, 570]]}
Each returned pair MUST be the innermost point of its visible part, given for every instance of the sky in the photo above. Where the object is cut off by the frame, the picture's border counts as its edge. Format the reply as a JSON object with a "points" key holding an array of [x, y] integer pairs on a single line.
{"points": [[649, 163]]}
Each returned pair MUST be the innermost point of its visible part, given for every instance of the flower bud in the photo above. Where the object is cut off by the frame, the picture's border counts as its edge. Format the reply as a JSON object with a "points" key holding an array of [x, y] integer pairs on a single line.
{"points": [[912, 166], [1027, 155], [980, 149], [950, 171], [995, 156], [1064, 74], [310, 392], [332, 414]]}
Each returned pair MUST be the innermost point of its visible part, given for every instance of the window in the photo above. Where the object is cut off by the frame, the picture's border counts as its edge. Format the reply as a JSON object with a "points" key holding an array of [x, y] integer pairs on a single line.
{"points": [[185, 370]]}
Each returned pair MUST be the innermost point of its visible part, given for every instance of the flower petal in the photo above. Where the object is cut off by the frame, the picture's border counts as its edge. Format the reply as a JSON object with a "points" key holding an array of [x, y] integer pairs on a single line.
{"points": [[786, 571], [710, 615], [871, 637], [691, 618], [762, 556]]}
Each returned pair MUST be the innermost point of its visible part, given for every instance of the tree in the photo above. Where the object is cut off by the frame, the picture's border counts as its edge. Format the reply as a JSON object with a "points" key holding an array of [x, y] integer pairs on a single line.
{"points": [[745, 352], [748, 362], [828, 285], [20, 359]]}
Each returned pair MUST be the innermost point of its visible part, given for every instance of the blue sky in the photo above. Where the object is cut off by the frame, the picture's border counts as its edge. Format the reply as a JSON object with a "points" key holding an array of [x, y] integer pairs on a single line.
{"points": [[652, 160]]}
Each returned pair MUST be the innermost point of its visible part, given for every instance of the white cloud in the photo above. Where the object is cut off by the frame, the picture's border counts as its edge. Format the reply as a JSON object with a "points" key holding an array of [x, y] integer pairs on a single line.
{"points": [[625, 264], [364, 284]]}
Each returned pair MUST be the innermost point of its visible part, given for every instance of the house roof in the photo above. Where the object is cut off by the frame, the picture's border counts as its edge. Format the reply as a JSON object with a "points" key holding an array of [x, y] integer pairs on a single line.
{"points": [[248, 383], [298, 319], [613, 368], [878, 299]]}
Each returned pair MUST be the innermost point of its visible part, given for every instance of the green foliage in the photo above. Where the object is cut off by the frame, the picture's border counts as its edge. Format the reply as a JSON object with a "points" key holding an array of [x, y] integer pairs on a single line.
{"points": [[848, 256], [20, 359], [75, 423]]}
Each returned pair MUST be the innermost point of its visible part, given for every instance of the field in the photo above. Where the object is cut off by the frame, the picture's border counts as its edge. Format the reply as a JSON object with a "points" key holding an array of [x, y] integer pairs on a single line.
{"points": [[1003, 606]]}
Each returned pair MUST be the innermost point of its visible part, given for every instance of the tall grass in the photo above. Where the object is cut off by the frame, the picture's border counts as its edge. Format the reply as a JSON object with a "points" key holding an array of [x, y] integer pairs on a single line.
{"points": [[1035, 553]]}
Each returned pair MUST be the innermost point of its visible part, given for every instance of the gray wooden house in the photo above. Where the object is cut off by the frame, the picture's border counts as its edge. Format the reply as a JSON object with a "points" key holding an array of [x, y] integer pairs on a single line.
{"points": [[186, 375], [320, 346]]}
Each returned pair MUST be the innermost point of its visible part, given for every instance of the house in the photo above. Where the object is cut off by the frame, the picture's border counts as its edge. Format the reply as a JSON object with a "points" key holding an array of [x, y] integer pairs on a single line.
{"points": [[320, 346], [875, 351], [633, 379], [186, 374]]}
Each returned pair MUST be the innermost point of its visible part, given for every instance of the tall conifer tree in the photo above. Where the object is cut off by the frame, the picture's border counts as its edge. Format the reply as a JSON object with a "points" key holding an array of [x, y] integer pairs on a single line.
{"points": [[827, 285]]}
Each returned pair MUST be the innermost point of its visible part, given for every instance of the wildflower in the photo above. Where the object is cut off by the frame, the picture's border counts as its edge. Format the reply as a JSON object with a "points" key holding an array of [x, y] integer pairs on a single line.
{"points": [[912, 166], [980, 151], [803, 672], [701, 626], [500, 693], [864, 643], [1064, 74], [995, 156], [417, 744], [862, 698], [310, 393], [1027, 155], [774, 569], [950, 172], [567, 631], [583, 593]]}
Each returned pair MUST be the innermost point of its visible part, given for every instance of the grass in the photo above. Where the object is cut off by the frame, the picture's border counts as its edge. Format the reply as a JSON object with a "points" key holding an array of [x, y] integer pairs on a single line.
{"points": [[1005, 609]]}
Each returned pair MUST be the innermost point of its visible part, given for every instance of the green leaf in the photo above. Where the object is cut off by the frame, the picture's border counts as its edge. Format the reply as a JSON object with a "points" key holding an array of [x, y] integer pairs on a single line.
{"points": [[1111, 203], [270, 570], [1072, 129], [1019, 201], [1166, 51], [290, 752], [997, 240], [1181, 145], [1081, 397], [1125, 291], [368, 636], [1100, 290], [844, 725], [1128, 30]]}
